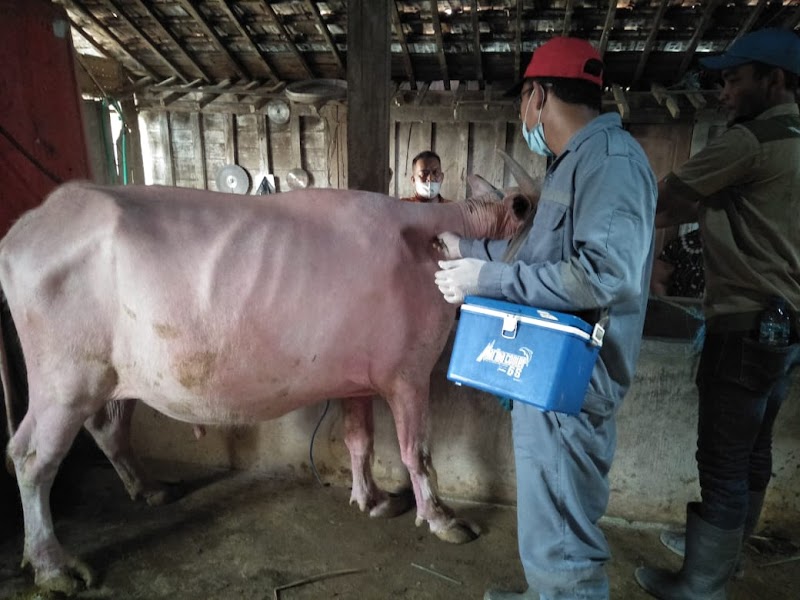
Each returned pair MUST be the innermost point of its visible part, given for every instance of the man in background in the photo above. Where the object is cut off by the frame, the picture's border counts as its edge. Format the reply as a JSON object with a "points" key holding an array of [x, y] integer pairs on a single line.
{"points": [[744, 189], [426, 177]]}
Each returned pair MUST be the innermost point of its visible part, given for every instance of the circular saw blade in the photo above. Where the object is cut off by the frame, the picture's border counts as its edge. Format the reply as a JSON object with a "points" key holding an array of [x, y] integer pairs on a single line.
{"points": [[233, 179]]}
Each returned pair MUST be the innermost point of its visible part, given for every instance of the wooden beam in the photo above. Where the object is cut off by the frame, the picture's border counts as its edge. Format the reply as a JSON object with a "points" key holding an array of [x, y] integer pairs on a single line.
{"points": [[665, 99], [401, 37], [476, 40], [96, 23], [175, 42], [518, 40], [622, 102], [368, 95], [607, 27], [285, 37], [651, 40], [314, 10], [114, 8], [212, 36], [568, 8], [437, 32], [227, 8], [751, 20], [793, 20], [702, 25], [174, 96]]}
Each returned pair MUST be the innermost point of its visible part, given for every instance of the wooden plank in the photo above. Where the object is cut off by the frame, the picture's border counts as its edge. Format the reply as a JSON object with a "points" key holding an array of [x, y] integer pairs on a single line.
{"points": [[166, 146], [199, 151], [295, 147], [368, 94], [476, 41], [484, 160], [249, 129], [517, 39], [264, 154], [314, 149], [451, 143], [183, 150]]}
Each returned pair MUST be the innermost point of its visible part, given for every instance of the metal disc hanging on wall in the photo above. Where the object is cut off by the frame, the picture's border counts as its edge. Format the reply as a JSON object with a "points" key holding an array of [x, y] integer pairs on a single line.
{"points": [[233, 179]]}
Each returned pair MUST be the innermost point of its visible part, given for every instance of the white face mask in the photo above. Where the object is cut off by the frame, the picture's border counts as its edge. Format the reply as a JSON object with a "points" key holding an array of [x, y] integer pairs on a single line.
{"points": [[428, 189]]}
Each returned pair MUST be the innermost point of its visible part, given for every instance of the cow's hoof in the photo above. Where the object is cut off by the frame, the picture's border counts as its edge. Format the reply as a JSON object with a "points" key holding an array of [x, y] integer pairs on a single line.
{"points": [[393, 505], [67, 580], [163, 493], [459, 532]]}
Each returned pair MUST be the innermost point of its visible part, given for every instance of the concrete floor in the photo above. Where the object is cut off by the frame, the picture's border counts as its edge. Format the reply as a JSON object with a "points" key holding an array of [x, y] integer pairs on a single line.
{"points": [[239, 535]]}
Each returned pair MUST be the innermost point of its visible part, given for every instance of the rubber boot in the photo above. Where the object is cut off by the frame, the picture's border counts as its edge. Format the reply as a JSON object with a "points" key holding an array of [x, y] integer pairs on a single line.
{"points": [[676, 540], [528, 594], [711, 555]]}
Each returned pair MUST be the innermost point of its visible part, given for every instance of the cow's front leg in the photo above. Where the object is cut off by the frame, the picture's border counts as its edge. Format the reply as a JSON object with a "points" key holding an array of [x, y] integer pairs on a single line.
{"points": [[409, 406], [359, 436], [111, 429], [37, 449]]}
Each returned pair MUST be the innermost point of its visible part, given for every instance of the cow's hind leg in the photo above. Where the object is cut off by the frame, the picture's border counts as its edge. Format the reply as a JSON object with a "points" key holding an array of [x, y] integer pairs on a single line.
{"points": [[409, 404], [358, 436], [37, 449], [111, 429]]}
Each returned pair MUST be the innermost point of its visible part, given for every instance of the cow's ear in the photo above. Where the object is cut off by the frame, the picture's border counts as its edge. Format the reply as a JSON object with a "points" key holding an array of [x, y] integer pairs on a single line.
{"points": [[480, 188], [519, 204]]}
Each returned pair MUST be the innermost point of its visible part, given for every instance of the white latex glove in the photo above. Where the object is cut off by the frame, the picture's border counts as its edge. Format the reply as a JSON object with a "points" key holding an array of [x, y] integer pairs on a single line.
{"points": [[448, 245], [458, 278]]}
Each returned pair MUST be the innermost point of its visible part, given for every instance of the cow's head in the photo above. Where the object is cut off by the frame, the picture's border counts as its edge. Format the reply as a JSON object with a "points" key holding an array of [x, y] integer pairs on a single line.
{"points": [[499, 213]]}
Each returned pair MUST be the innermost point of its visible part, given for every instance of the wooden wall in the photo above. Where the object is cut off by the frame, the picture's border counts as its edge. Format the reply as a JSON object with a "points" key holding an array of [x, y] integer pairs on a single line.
{"points": [[188, 149]]}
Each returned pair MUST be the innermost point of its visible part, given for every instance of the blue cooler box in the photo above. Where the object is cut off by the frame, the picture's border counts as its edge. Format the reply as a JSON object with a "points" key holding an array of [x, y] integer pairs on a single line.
{"points": [[541, 357]]}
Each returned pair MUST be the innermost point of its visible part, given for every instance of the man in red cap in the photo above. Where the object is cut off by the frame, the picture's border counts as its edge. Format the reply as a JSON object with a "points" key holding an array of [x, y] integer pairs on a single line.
{"points": [[588, 249], [743, 189]]}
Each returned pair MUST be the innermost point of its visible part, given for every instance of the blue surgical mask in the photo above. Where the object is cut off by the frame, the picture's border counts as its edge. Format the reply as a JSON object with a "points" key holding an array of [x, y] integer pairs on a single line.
{"points": [[535, 137]]}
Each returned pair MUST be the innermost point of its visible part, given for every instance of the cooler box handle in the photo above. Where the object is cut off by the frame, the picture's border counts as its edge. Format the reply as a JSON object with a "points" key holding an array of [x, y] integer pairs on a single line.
{"points": [[510, 323]]}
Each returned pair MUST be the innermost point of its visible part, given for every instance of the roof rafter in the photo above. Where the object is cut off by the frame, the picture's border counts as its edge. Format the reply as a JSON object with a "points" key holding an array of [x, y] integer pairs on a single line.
{"points": [[110, 34], [176, 43], [607, 26], [476, 29], [200, 19], [699, 30], [398, 27], [651, 40], [226, 6], [437, 32], [792, 21], [568, 8], [285, 36], [314, 10], [119, 12], [751, 20]]}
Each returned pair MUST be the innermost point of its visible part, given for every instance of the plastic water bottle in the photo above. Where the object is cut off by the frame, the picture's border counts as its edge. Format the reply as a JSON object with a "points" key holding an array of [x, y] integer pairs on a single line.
{"points": [[775, 323]]}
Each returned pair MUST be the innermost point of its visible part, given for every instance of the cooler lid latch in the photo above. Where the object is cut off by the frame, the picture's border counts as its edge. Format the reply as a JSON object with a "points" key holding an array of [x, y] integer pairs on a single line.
{"points": [[510, 327]]}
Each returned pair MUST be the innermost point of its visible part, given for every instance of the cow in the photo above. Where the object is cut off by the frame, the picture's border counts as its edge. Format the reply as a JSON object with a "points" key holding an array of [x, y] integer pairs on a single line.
{"points": [[221, 309]]}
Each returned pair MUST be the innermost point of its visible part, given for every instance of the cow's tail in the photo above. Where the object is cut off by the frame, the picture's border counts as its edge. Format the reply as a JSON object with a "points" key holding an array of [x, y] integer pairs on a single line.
{"points": [[5, 373]]}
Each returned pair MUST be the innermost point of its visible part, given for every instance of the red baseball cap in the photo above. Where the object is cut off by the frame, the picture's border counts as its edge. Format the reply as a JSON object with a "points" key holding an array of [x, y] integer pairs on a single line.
{"points": [[565, 57]]}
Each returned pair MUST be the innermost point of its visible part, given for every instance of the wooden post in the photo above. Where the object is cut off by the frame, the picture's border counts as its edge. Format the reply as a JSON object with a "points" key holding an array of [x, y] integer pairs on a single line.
{"points": [[368, 95]]}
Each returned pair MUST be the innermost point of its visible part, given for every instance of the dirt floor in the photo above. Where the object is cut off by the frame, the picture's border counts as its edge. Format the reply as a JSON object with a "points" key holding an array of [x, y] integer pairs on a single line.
{"points": [[240, 535]]}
